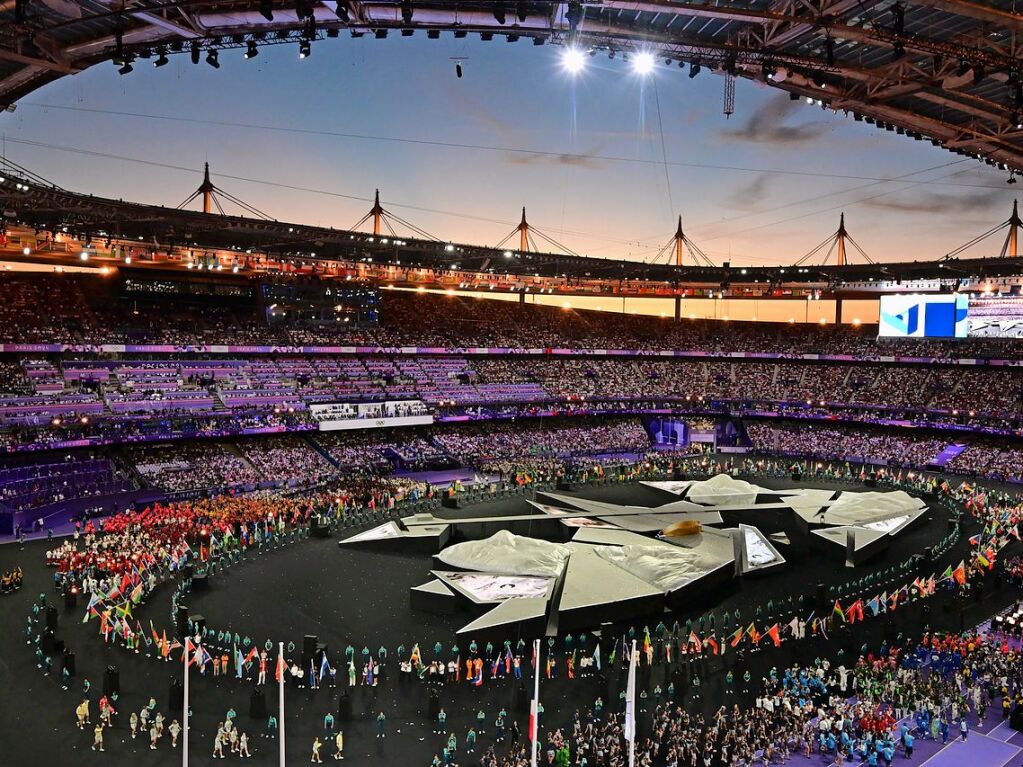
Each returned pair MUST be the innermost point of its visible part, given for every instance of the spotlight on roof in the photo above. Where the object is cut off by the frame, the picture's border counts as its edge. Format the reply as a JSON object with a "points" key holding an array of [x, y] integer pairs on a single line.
{"points": [[162, 60], [643, 64], [573, 60], [126, 69], [194, 53], [266, 10], [213, 58], [305, 49], [500, 15], [694, 69], [252, 51]]}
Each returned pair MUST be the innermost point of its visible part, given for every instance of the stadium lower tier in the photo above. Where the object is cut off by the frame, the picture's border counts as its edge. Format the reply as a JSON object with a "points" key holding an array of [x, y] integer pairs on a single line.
{"points": [[48, 489], [809, 656], [55, 403]]}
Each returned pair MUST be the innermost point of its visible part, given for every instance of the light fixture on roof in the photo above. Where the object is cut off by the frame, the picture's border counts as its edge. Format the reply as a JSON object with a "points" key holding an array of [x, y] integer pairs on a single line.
{"points": [[162, 60], [212, 58], [573, 60], [305, 49], [643, 64], [252, 51]]}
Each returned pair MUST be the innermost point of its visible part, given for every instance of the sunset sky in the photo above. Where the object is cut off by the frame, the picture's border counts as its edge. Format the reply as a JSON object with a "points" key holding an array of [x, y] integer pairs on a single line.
{"points": [[619, 156]]}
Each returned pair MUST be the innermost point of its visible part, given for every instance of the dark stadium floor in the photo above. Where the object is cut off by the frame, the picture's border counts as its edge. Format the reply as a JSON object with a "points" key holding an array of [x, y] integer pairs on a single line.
{"points": [[348, 595]]}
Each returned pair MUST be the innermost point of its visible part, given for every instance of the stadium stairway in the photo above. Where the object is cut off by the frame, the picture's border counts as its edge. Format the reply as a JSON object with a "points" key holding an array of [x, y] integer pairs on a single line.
{"points": [[311, 441]]}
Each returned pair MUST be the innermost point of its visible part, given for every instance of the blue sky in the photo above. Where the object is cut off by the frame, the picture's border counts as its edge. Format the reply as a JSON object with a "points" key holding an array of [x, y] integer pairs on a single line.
{"points": [[722, 175]]}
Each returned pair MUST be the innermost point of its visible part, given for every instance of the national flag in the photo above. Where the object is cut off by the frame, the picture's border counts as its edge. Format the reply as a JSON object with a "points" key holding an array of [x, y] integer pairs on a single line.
{"points": [[736, 637], [712, 643], [754, 635], [630, 705], [837, 612], [596, 657], [534, 704], [775, 633], [279, 671], [646, 642], [695, 640], [324, 666], [822, 625], [874, 605], [794, 626], [959, 574], [974, 539], [983, 561]]}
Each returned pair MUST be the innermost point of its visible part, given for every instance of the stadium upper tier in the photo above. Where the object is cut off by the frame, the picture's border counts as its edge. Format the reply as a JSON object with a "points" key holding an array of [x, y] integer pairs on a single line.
{"points": [[78, 311]]}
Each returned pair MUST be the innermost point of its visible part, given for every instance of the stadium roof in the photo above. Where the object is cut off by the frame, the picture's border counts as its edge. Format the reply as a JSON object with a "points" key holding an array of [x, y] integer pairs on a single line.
{"points": [[34, 202], [940, 70]]}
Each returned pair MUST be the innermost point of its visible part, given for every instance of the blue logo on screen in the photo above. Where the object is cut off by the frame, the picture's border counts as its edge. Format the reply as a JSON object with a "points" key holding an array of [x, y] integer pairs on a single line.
{"points": [[904, 323]]}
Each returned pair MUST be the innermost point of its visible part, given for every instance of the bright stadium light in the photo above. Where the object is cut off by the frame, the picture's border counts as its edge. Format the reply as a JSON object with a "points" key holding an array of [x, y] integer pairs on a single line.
{"points": [[643, 64], [573, 60]]}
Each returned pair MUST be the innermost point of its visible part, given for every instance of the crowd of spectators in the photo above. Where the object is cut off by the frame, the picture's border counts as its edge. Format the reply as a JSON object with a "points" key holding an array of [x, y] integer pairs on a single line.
{"points": [[197, 465], [482, 443], [289, 458], [816, 441], [28, 486], [82, 309], [1000, 462]]}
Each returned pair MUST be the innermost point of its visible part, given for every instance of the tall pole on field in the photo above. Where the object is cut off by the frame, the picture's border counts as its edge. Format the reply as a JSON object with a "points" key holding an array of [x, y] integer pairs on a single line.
{"points": [[534, 707], [280, 695], [184, 727], [630, 706]]}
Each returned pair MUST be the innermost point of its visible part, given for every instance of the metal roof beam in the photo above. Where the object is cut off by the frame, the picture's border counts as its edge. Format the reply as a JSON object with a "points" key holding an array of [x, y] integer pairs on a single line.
{"points": [[978, 11]]}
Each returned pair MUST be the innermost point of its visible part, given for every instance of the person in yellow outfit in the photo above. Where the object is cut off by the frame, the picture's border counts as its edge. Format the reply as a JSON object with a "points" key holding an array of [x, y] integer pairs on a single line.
{"points": [[82, 712], [339, 743]]}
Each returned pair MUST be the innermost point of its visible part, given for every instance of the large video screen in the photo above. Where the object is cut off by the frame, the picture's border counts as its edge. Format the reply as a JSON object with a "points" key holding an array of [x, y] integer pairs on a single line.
{"points": [[996, 316], [941, 315]]}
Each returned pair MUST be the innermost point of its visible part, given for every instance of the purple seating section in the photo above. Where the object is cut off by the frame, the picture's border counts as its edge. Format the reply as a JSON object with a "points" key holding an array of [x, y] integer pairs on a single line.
{"points": [[197, 387], [34, 488]]}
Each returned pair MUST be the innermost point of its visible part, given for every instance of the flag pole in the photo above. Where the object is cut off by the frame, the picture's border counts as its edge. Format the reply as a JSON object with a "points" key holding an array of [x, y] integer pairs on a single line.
{"points": [[630, 707], [534, 707], [280, 697], [184, 729]]}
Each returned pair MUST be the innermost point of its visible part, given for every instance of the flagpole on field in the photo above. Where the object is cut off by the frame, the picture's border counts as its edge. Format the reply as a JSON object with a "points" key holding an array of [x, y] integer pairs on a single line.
{"points": [[280, 696], [534, 707], [630, 707], [184, 729]]}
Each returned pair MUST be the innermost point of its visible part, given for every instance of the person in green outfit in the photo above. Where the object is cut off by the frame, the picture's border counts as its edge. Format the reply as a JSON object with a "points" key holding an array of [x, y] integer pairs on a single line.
{"points": [[729, 679], [442, 721], [470, 741]]}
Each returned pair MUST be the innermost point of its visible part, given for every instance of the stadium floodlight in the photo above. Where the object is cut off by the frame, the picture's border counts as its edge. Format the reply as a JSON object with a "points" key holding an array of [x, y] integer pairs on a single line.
{"points": [[252, 51], [643, 64], [573, 60], [212, 58], [305, 49]]}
